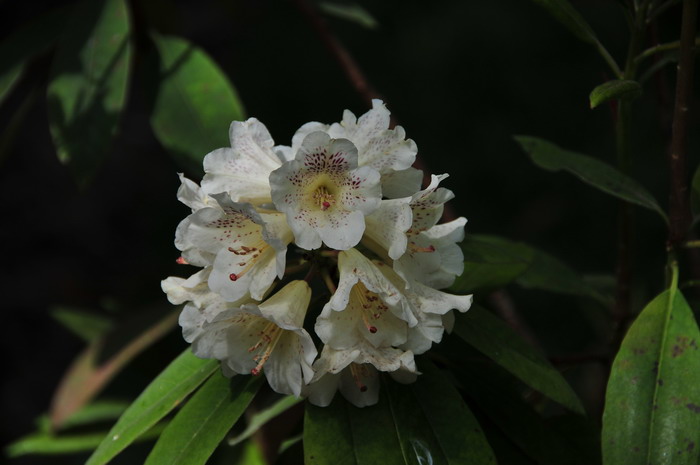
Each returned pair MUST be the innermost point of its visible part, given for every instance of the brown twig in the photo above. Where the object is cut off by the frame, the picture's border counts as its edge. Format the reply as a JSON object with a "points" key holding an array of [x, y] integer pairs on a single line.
{"points": [[678, 204]]}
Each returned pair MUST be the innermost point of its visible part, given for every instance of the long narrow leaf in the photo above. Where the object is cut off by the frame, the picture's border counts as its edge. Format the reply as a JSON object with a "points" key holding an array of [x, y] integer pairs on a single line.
{"points": [[49, 444], [263, 416], [652, 406], [89, 374], [497, 341], [201, 425], [591, 171], [164, 393]]}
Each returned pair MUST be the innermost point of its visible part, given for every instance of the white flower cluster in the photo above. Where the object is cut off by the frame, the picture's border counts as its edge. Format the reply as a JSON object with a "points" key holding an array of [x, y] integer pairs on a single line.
{"points": [[366, 240]]}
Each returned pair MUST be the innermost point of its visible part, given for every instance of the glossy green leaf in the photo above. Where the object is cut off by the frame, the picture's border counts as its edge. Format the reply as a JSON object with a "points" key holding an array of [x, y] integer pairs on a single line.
{"points": [[103, 359], [88, 84], [196, 102], [618, 89], [496, 396], [164, 393], [31, 38], [490, 263], [551, 274], [591, 171], [201, 425], [492, 337], [49, 444], [86, 325], [350, 12], [423, 422], [263, 416], [652, 406]]}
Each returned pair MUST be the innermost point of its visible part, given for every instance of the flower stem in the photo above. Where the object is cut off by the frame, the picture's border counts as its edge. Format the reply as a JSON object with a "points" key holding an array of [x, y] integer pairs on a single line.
{"points": [[678, 204]]}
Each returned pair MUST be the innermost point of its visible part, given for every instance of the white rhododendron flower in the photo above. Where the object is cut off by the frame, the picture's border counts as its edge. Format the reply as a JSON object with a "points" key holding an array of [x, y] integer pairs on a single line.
{"points": [[324, 194], [432, 256], [340, 211], [269, 335]]}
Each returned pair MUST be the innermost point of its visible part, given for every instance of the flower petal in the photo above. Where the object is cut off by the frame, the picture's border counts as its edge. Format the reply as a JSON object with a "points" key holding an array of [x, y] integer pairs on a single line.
{"points": [[378, 146], [403, 183], [387, 227], [324, 195], [244, 169]]}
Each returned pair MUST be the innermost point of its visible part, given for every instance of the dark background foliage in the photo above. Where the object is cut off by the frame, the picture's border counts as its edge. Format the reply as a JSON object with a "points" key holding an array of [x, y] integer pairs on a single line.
{"points": [[461, 77]]}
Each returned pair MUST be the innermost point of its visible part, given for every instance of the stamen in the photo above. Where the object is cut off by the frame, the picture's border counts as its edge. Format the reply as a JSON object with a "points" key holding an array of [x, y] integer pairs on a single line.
{"points": [[367, 301], [323, 198], [181, 261], [233, 277], [356, 371], [415, 248], [268, 338]]}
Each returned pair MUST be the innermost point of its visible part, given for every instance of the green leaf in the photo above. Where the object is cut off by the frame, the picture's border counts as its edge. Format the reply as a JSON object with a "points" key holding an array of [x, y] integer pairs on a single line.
{"points": [[7, 81], [164, 393], [490, 263], [263, 416], [195, 105], [652, 406], [86, 325], [619, 89], [423, 422], [550, 274], [33, 37], [350, 12], [102, 360], [48, 444], [88, 84], [492, 337], [570, 18], [591, 171], [201, 425]]}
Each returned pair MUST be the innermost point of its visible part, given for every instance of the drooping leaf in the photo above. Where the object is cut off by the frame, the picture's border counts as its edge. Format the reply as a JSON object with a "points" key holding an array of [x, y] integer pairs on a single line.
{"points": [[551, 274], [618, 89], [350, 12], [96, 412], [263, 416], [86, 325], [652, 405], [492, 337], [88, 84], [591, 171], [570, 18], [195, 104], [423, 422], [96, 366], [490, 263], [201, 425], [49, 444], [185, 374], [31, 38], [503, 404]]}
